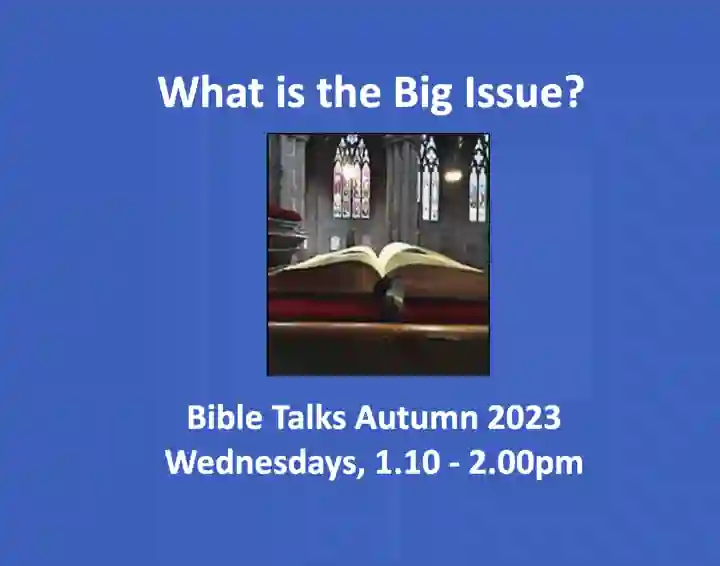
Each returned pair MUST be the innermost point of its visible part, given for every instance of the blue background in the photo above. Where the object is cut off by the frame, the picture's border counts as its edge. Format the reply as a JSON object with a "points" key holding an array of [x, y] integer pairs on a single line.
{"points": [[131, 285]]}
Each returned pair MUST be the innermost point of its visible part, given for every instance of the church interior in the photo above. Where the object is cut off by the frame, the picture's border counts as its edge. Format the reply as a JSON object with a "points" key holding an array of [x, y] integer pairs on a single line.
{"points": [[427, 190]]}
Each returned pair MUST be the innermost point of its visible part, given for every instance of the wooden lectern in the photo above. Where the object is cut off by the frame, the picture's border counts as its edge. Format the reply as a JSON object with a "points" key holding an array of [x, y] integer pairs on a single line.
{"points": [[376, 349]]}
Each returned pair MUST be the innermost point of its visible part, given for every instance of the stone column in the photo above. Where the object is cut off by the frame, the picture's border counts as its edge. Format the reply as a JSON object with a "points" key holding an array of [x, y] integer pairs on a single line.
{"points": [[292, 172], [292, 179], [401, 193], [274, 169]]}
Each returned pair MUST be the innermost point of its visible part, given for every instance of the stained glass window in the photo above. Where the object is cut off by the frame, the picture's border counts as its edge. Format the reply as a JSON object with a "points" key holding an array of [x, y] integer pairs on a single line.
{"points": [[428, 189], [351, 179], [478, 180]]}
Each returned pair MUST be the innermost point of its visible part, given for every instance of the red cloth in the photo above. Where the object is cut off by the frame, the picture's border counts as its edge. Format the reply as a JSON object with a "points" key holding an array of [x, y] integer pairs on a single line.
{"points": [[286, 309], [283, 213], [283, 309], [439, 312]]}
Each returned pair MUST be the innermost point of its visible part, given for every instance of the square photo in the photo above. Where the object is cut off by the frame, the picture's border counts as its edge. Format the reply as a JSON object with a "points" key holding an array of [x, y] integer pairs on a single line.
{"points": [[378, 252]]}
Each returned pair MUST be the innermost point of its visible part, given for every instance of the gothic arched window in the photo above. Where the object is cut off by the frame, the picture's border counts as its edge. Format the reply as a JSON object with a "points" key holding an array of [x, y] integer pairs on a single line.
{"points": [[478, 180], [428, 190], [351, 179]]}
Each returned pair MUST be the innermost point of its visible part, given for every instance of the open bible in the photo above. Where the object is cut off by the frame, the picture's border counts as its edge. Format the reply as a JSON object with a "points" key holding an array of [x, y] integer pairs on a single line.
{"points": [[413, 278]]}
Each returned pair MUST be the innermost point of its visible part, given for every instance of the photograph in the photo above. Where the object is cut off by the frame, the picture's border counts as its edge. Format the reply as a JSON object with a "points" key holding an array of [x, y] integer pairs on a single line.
{"points": [[378, 255]]}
